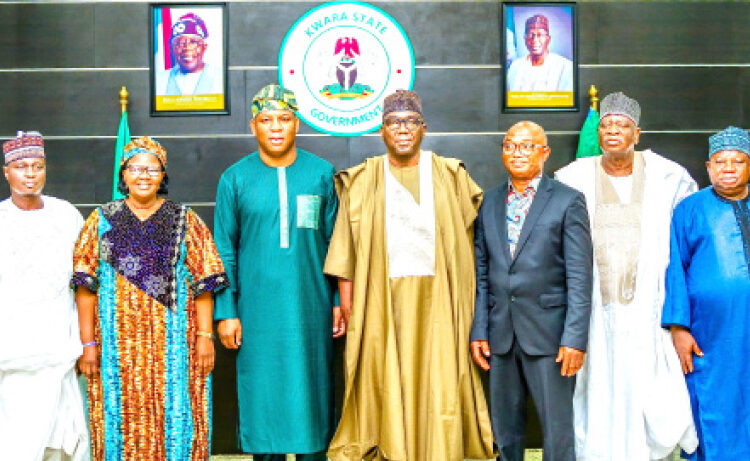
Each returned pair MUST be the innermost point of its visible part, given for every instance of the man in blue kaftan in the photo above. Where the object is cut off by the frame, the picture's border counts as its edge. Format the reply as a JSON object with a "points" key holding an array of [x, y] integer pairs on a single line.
{"points": [[707, 305], [275, 212]]}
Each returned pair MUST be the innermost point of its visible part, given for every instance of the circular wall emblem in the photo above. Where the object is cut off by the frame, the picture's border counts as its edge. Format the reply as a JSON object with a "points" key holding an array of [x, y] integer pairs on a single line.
{"points": [[342, 59]]}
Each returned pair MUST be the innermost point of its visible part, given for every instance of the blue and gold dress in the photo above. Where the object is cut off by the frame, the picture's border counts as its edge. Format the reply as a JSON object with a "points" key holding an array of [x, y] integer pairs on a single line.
{"points": [[149, 402]]}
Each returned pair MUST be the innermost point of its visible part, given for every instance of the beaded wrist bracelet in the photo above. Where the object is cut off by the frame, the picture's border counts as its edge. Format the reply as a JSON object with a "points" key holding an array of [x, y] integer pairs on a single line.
{"points": [[205, 334], [90, 343]]}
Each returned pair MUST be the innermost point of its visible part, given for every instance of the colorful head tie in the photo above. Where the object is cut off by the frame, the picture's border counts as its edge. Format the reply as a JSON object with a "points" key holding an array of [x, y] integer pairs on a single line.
{"points": [[144, 145], [273, 97], [731, 138], [190, 24], [402, 100], [619, 104], [28, 144], [538, 21]]}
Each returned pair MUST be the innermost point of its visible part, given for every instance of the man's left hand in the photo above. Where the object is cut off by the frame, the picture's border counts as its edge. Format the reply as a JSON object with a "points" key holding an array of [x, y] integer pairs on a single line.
{"points": [[339, 322], [572, 360]]}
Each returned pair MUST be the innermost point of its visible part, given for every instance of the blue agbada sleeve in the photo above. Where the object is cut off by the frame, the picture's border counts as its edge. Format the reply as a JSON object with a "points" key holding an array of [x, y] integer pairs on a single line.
{"points": [[226, 235], [676, 300], [332, 207]]}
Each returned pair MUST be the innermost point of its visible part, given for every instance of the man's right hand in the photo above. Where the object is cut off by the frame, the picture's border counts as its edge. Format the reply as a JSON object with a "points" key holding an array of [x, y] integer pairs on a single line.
{"points": [[230, 333], [88, 362], [685, 345], [480, 352]]}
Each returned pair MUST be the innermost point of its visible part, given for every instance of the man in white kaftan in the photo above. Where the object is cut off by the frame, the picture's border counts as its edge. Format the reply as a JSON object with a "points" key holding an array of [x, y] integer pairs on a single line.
{"points": [[540, 70], [41, 409], [555, 74], [631, 401]]}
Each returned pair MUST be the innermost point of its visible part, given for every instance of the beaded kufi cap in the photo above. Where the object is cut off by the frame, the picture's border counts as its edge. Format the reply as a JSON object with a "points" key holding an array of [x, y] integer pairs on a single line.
{"points": [[538, 21], [190, 24], [619, 104], [402, 100], [144, 145], [730, 138], [273, 97], [26, 144]]}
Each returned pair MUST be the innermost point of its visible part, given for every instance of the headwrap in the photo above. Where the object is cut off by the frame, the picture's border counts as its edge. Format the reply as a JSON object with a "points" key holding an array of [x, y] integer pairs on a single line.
{"points": [[619, 104], [273, 97], [144, 145], [28, 144], [731, 138], [538, 21], [190, 24], [402, 100]]}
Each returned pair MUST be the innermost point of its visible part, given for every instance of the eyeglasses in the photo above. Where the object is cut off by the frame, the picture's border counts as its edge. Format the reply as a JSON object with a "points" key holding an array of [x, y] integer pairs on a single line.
{"points": [[411, 123], [137, 170], [187, 42], [526, 148]]}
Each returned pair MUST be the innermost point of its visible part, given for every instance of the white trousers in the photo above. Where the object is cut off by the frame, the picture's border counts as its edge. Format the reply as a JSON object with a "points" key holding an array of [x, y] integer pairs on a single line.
{"points": [[41, 416]]}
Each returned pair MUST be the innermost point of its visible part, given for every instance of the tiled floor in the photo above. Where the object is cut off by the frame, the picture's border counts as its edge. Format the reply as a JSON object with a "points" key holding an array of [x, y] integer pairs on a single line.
{"points": [[531, 455]]}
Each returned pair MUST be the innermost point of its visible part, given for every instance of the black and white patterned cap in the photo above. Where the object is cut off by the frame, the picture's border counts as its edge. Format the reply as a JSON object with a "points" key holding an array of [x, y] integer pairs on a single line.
{"points": [[619, 104]]}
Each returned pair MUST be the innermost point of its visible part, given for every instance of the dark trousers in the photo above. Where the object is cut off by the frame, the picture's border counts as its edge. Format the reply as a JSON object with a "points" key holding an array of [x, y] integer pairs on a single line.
{"points": [[512, 377], [319, 456]]}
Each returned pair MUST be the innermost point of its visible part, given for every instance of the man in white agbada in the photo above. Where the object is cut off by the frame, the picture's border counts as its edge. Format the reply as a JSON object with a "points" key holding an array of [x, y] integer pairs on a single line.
{"points": [[540, 70], [41, 410], [631, 402]]}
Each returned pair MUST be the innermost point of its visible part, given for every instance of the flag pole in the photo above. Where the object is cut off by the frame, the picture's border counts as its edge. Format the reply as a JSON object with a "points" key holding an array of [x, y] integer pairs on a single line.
{"points": [[124, 99], [593, 96], [123, 137]]}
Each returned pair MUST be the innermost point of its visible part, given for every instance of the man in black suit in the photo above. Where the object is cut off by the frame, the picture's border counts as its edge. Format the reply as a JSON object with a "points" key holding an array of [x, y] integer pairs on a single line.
{"points": [[534, 274]]}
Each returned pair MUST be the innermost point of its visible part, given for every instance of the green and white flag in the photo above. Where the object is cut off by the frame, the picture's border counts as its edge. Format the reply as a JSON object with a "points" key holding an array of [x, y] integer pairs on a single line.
{"points": [[588, 141], [123, 137]]}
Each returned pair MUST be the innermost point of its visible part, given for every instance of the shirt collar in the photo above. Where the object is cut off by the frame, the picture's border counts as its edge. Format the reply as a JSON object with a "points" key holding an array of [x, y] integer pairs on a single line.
{"points": [[533, 185]]}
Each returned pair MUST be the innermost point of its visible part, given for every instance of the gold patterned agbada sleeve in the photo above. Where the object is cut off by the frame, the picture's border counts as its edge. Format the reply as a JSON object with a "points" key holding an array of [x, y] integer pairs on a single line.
{"points": [[202, 258], [86, 255]]}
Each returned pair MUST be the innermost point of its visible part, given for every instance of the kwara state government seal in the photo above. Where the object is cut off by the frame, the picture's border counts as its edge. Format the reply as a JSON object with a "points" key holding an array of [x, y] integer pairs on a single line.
{"points": [[342, 59]]}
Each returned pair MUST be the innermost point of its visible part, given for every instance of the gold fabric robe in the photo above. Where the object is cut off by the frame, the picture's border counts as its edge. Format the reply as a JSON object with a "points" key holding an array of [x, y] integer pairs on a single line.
{"points": [[412, 392]]}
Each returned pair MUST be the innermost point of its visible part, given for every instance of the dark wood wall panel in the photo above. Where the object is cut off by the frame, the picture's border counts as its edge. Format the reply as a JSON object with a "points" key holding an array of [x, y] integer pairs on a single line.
{"points": [[665, 32], [679, 98], [85, 103], [39, 35], [121, 34]]}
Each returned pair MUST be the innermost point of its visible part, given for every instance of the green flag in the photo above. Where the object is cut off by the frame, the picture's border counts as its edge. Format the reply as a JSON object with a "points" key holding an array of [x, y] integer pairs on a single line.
{"points": [[123, 137], [588, 141]]}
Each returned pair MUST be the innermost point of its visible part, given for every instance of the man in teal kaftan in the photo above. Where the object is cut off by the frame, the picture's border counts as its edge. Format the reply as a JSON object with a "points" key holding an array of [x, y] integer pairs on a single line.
{"points": [[275, 212]]}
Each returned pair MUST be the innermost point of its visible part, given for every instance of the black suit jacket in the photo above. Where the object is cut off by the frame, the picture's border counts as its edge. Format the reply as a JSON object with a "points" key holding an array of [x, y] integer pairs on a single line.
{"points": [[542, 296]]}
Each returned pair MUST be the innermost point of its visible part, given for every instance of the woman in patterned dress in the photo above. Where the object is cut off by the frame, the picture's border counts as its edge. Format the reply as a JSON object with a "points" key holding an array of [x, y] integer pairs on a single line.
{"points": [[145, 269]]}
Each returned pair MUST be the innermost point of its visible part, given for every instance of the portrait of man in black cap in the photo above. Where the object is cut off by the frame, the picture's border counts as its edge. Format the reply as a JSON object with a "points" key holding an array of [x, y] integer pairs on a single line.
{"points": [[190, 73]]}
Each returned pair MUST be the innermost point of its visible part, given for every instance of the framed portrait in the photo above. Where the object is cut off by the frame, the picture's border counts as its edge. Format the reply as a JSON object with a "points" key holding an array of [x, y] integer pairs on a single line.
{"points": [[540, 56], [188, 52]]}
